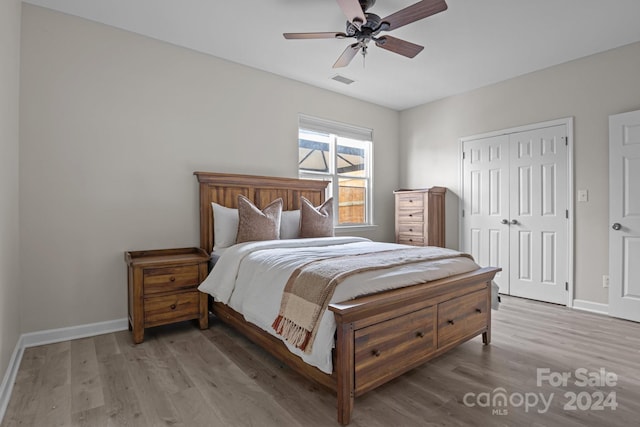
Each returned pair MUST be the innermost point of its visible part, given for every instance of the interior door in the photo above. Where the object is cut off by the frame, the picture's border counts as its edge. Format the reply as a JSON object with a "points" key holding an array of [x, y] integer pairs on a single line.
{"points": [[485, 219], [538, 214], [624, 214], [515, 210]]}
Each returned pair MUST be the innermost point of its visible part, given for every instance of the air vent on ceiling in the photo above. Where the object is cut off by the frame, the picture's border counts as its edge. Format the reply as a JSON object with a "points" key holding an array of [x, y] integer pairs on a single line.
{"points": [[342, 79]]}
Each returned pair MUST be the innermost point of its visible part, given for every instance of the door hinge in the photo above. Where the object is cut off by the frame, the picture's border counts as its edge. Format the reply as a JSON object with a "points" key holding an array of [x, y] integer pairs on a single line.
{"points": [[462, 213], [566, 213], [566, 286], [566, 140], [464, 155]]}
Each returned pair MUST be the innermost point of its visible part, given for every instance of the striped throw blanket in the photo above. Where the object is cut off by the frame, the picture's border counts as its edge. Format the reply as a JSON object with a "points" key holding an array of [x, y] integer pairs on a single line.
{"points": [[311, 286]]}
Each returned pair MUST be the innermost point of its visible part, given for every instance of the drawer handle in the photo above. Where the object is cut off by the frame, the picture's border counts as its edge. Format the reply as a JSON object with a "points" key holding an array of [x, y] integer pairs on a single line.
{"points": [[410, 214], [478, 310], [375, 353], [420, 334], [451, 322], [173, 306], [411, 240], [411, 229], [410, 200], [172, 278]]}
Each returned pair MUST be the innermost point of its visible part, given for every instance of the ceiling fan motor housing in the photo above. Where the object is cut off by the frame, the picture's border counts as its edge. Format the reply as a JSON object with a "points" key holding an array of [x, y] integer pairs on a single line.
{"points": [[369, 28]]}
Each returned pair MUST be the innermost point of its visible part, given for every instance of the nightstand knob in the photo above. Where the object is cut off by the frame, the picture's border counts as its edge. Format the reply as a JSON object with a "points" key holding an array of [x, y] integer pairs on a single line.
{"points": [[375, 353], [420, 334], [173, 306], [451, 322], [478, 310], [172, 278]]}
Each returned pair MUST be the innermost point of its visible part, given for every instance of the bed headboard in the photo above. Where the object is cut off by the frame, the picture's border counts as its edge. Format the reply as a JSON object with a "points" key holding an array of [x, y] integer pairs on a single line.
{"points": [[224, 188]]}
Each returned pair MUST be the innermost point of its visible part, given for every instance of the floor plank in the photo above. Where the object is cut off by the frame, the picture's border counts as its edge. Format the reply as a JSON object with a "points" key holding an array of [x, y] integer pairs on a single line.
{"points": [[181, 376]]}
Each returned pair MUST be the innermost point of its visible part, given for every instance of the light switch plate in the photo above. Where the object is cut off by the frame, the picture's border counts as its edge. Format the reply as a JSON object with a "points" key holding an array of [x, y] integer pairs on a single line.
{"points": [[583, 195]]}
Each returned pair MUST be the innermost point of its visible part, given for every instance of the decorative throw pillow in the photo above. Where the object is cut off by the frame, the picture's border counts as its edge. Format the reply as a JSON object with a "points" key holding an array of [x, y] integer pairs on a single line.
{"points": [[316, 222], [225, 226], [255, 224], [290, 225]]}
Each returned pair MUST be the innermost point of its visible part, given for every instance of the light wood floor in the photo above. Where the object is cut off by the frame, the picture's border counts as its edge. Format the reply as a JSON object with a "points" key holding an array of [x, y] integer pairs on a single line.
{"points": [[181, 376]]}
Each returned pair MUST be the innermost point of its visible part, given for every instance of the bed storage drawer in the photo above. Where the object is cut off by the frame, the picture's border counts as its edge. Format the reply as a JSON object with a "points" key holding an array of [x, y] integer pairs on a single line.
{"points": [[461, 317], [385, 349], [175, 307]]}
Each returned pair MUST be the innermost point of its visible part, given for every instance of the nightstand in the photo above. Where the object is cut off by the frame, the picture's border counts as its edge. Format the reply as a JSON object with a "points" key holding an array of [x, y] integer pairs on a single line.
{"points": [[163, 288]]}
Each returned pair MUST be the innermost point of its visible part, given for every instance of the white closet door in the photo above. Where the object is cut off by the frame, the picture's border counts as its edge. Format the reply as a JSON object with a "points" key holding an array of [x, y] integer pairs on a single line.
{"points": [[624, 214], [485, 228], [538, 214]]}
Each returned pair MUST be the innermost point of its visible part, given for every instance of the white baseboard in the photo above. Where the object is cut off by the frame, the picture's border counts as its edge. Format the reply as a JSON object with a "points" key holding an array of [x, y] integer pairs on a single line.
{"points": [[594, 307], [33, 339], [10, 377]]}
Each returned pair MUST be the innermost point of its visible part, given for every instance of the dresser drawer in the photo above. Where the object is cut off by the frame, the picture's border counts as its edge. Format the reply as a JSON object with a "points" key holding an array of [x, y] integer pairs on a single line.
{"points": [[171, 308], [378, 347], [411, 228], [404, 239], [410, 200], [168, 279], [410, 215], [461, 317]]}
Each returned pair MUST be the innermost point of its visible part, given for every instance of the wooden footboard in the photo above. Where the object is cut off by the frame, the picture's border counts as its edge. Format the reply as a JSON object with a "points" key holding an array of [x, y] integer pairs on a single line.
{"points": [[382, 336]]}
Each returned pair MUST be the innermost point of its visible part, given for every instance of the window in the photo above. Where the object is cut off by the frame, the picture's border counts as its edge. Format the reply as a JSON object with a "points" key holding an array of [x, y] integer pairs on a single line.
{"points": [[341, 154]]}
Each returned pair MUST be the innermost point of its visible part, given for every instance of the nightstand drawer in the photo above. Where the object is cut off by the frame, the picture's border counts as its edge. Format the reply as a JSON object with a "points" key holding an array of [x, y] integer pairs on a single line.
{"points": [[169, 279], [171, 308]]}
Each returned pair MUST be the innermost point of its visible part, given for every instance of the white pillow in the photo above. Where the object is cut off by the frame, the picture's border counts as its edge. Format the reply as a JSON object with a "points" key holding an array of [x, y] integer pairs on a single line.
{"points": [[225, 226], [290, 224]]}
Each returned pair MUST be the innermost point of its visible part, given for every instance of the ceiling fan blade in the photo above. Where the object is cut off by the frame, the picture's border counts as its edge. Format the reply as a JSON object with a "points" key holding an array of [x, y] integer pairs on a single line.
{"points": [[415, 12], [399, 46], [326, 35], [347, 55], [353, 11]]}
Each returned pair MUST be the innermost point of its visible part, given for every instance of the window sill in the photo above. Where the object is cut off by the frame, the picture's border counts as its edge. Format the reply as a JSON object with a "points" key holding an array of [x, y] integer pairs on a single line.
{"points": [[346, 228]]}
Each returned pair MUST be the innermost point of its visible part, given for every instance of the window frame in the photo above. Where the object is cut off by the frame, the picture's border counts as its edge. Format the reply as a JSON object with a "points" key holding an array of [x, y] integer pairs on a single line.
{"points": [[337, 130]]}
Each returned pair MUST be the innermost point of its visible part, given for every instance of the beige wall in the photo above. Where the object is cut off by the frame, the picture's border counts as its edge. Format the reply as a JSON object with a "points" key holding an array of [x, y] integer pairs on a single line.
{"points": [[9, 243], [589, 89], [113, 125]]}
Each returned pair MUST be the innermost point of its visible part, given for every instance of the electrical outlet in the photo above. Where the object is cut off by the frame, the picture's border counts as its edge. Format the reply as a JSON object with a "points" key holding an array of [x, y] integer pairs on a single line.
{"points": [[605, 281]]}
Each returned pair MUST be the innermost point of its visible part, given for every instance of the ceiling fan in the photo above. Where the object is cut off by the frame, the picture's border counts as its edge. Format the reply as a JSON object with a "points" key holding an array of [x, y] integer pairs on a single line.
{"points": [[365, 26]]}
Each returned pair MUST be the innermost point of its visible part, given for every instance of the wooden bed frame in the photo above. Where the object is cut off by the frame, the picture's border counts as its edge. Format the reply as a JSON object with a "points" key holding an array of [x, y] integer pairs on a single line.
{"points": [[380, 336]]}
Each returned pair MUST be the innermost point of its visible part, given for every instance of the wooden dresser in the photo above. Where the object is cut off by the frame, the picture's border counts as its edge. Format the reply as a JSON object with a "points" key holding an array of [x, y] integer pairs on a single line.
{"points": [[420, 216], [163, 288]]}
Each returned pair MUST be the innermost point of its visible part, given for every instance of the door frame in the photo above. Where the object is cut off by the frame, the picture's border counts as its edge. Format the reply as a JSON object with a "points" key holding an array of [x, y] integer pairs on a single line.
{"points": [[568, 122]]}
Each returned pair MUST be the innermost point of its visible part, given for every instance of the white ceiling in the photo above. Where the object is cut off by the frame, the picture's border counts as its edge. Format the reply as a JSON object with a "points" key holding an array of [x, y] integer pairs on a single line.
{"points": [[472, 44]]}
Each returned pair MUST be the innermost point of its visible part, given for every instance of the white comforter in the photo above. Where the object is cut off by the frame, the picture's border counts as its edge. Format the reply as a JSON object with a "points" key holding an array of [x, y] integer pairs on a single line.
{"points": [[250, 278]]}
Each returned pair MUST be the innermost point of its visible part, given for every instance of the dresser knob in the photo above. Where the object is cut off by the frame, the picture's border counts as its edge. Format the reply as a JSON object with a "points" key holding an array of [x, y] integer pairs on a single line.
{"points": [[411, 229], [451, 322], [173, 307], [375, 353], [172, 278], [478, 310], [420, 334], [410, 214]]}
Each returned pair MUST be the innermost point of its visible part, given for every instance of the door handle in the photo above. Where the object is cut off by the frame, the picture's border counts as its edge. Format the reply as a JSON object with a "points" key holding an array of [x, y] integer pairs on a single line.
{"points": [[616, 226], [504, 221], [514, 221]]}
